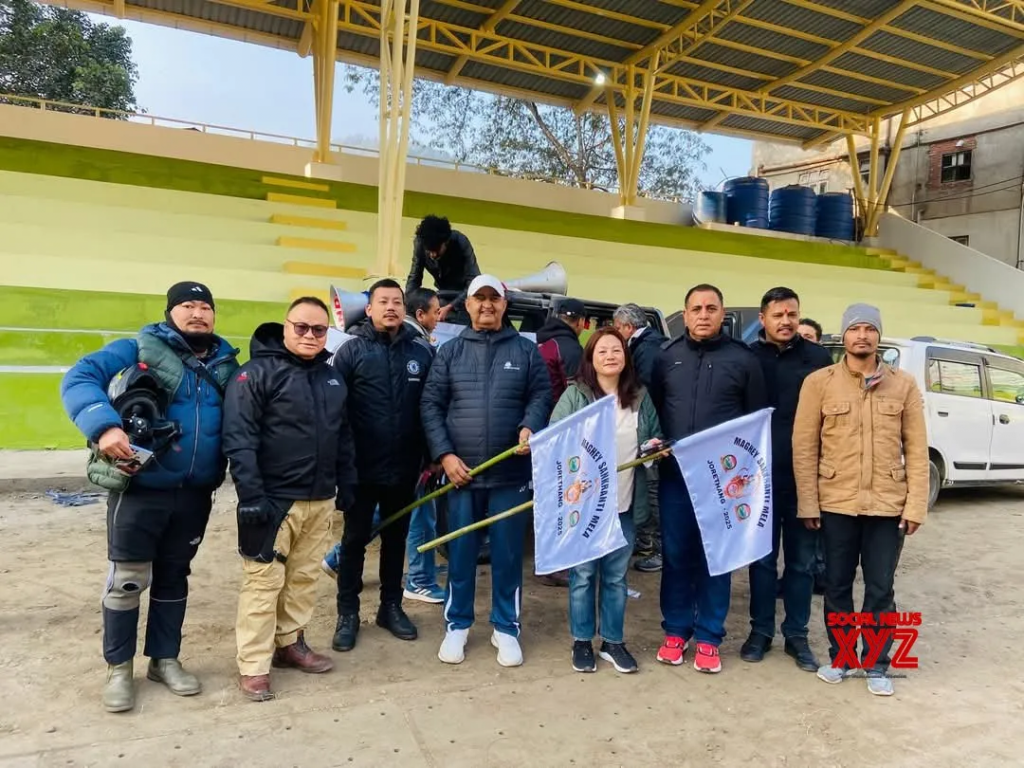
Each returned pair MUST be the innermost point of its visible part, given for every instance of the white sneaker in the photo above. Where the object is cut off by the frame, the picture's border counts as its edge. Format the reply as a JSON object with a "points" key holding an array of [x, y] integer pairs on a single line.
{"points": [[509, 652], [453, 648]]}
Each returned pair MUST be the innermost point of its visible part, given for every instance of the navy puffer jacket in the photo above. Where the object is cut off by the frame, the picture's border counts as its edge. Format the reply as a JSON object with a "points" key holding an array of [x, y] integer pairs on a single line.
{"points": [[483, 387]]}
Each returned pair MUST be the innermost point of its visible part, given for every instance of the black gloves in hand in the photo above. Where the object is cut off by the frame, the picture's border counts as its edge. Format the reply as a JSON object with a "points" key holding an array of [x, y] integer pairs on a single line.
{"points": [[259, 513], [346, 498]]}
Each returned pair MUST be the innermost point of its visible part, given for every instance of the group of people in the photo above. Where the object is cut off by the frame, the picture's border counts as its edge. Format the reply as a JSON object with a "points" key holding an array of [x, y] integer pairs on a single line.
{"points": [[306, 433]]}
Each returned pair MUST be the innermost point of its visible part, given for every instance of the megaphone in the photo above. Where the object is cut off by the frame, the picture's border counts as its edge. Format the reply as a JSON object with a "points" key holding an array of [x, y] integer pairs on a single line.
{"points": [[348, 308], [551, 279]]}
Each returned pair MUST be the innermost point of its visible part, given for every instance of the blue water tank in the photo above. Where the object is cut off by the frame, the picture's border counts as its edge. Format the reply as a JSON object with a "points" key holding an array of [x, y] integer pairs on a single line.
{"points": [[710, 208], [835, 216], [793, 209], [746, 202]]}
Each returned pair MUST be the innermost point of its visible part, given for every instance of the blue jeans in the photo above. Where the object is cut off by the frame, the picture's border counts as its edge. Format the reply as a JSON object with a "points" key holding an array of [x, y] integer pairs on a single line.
{"points": [[612, 569], [507, 536], [422, 573], [693, 603], [799, 546]]}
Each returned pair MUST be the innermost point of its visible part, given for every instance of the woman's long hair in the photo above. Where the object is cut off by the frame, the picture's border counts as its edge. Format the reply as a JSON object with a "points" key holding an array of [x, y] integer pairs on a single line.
{"points": [[629, 384]]}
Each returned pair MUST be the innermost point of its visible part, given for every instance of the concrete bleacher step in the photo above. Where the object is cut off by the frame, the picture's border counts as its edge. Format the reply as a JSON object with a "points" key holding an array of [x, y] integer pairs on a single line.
{"points": [[324, 270], [324, 294], [312, 202], [316, 244], [307, 221], [312, 186]]}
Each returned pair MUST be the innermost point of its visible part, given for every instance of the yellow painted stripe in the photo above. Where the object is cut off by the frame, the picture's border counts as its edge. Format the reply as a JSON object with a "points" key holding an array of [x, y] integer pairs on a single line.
{"points": [[320, 293], [990, 317], [313, 202], [920, 271], [316, 245], [307, 221], [323, 270], [274, 181]]}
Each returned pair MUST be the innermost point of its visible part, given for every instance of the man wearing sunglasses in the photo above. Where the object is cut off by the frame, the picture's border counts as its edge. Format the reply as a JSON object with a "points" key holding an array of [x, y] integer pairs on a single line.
{"points": [[287, 436], [384, 368]]}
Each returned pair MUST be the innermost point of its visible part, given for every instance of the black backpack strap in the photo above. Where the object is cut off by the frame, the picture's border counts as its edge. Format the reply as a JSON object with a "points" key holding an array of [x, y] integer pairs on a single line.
{"points": [[192, 363]]}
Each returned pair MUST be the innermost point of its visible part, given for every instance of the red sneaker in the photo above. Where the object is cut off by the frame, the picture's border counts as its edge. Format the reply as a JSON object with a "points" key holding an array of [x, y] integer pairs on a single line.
{"points": [[672, 650], [706, 658]]}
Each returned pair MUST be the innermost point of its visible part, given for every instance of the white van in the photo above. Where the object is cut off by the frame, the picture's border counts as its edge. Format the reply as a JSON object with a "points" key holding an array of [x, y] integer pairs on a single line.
{"points": [[974, 404]]}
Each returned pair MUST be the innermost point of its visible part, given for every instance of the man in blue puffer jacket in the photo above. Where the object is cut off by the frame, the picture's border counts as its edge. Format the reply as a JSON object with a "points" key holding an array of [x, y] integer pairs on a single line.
{"points": [[488, 389], [157, 517]]}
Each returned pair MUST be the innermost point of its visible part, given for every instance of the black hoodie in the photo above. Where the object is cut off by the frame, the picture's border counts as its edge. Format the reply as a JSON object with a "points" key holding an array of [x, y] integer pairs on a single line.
{"points": [[286, 428], [568, 342]]}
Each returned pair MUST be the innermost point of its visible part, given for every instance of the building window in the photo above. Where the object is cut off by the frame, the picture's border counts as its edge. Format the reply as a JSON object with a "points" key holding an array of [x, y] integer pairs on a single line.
{"points": [[956, 166], [962, 239]]}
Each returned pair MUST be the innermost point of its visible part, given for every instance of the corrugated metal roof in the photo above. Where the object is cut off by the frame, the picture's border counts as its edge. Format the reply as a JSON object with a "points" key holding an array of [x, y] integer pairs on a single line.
{"points": [[751, 51]]}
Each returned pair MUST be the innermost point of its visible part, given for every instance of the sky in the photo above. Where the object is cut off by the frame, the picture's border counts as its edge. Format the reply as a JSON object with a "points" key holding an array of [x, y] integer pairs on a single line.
{"points": [[205, 79]]}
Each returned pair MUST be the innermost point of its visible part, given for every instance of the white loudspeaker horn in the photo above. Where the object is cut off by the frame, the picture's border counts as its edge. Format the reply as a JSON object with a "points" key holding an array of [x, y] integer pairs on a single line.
{"points": [[348, 308], [551, 279]]}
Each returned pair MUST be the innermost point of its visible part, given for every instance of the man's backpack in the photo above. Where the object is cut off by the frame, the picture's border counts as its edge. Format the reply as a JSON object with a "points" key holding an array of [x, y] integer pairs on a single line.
{"points": [[556, 370]]}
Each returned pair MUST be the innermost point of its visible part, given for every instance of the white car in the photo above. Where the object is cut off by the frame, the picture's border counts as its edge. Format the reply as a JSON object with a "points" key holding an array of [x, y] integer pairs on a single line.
{"points": [[974, 405]]}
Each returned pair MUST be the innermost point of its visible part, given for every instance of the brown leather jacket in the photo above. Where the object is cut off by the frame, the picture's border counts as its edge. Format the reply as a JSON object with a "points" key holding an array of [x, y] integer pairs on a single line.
{"points": [[860, 451]]}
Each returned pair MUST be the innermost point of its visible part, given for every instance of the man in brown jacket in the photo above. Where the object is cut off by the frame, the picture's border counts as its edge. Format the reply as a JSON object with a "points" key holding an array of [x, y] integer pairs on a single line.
{"points": [[860, 457]]}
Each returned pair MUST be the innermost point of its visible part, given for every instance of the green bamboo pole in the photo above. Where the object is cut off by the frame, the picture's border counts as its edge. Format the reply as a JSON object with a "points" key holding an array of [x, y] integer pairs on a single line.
{"points": [[525, 506], [444, 489]]}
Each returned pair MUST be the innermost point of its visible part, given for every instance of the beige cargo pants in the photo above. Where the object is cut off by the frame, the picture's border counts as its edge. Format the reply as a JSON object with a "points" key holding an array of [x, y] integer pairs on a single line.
{"points": [[277, 598]]}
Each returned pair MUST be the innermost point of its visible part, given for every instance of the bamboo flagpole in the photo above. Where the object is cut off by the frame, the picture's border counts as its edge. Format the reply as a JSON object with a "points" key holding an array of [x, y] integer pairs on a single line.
{"points": [[662, 452]]}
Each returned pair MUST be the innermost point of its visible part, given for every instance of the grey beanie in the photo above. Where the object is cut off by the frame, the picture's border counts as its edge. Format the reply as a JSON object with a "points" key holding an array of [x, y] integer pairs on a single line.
{"points": [[856, 314]]}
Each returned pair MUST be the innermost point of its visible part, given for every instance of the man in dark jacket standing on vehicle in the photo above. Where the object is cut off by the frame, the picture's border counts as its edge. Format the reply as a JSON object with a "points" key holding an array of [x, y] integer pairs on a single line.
{"points": [[384, 368], [286, 433], [447, 255], [786, 359], [700, 380], [565, 329], [157, 518], [488, 390]]}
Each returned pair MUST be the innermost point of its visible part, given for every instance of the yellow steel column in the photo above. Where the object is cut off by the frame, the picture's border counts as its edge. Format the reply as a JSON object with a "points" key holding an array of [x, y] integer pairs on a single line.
{"points": [[620, 157], [641, 137], [325, 53], [871, 225], [858, 182], [876, 129]]}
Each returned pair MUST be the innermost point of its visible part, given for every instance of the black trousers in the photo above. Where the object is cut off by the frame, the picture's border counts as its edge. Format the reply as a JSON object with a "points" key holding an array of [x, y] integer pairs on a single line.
{"points": [[152, 536], [358, 527], [874, 543]]}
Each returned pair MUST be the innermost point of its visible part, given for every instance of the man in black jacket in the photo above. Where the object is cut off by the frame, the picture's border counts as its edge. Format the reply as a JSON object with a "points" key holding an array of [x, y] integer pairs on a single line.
{"points": [[447, 255], [786, 359], [286, 434], [384, 369], [488, 390], [565, 329], [702, 379]]}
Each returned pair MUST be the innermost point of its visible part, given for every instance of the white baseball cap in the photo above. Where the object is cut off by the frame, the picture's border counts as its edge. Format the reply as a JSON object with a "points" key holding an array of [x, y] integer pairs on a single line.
{"points": [[486, 281]]}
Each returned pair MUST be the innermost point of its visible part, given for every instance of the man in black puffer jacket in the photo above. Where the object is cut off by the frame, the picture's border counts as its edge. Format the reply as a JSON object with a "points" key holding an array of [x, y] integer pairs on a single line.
{"points": [[488, 389], [384, 368], [700, 380], [286, 434]]}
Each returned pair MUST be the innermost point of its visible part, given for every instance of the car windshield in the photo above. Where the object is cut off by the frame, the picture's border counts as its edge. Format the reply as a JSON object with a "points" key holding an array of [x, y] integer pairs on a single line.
{"points": [[890, 354]]}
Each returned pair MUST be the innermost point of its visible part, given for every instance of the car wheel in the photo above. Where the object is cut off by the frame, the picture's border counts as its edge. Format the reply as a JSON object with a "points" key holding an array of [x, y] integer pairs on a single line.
{"points": [[934, 483]]}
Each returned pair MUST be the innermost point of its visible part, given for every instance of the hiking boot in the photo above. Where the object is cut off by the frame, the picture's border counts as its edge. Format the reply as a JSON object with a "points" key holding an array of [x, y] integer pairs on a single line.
{"points": [[755, 647], [583, 656], [706, 659], [453, 648], [300, 656], [391, 617], [672, 650], [170, 673], [255, 687], [619, 657], [345, 632], [651, 564], [119, 692], [509, 652], [800, 650]]}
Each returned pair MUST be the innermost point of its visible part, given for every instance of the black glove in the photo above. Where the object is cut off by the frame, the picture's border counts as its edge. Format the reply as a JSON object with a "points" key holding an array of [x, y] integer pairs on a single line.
{"points": [[258, 524], [346, 498], [254, 513]]}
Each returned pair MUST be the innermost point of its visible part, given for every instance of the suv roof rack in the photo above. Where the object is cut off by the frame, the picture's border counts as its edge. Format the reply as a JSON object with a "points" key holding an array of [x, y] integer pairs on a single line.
{"points": [[952, 343]]}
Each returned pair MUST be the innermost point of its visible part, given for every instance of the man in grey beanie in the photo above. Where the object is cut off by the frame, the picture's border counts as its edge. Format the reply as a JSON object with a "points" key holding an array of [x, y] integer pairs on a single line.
{"points": [[860, 459]]}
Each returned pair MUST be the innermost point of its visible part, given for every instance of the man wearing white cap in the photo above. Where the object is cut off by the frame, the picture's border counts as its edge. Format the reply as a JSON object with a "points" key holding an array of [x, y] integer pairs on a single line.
{"points": [[487, 390], [860, 458]]}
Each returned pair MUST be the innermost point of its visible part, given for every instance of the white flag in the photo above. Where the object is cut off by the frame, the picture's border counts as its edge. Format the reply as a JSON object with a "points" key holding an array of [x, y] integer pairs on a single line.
{"points": [[728, 472], [575, 489]]}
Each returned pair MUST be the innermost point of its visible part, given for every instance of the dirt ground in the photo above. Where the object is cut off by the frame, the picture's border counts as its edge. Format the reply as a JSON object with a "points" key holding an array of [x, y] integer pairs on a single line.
{"points": [[393, 703]]}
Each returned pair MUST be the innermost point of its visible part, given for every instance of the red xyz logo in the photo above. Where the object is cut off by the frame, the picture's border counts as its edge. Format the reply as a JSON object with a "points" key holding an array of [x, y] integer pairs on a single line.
{"points": [[898, 628]]}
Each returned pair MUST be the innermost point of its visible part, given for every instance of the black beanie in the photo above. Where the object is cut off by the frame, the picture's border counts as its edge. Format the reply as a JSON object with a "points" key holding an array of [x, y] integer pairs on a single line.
{"points": [[179, 293]]}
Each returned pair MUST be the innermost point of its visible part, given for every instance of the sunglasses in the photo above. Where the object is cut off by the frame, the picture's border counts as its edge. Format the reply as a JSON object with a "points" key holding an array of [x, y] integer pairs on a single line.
{"points": [[319, 331]]}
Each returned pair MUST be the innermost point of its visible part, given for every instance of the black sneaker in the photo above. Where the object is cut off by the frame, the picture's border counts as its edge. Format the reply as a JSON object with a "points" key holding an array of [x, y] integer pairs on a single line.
{"points": [[755, 647], [583, 656], [650, 564], [800, 650], [619, 657], [391, 617], [345, 632]]}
